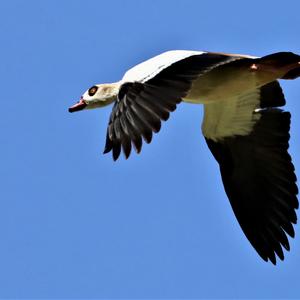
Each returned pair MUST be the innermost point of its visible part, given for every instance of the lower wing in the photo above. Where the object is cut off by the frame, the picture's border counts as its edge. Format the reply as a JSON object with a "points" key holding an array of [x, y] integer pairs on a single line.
{"points": [[249, 138]]}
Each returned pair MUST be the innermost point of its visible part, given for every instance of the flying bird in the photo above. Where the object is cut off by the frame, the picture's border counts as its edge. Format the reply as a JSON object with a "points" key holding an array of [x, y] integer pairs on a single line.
{"points": [[244, 128]]}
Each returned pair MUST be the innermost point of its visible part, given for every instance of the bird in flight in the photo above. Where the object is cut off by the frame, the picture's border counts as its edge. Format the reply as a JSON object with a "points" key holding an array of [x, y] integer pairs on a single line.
{"points": [[244, 128]]}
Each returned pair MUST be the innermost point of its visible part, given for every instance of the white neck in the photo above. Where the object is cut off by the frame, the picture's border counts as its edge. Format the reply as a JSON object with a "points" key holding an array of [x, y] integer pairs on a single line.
{"points": [[109, 93]]}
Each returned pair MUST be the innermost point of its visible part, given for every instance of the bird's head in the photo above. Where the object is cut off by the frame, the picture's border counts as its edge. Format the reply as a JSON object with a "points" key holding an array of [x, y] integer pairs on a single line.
{"points": [[98, 95]]}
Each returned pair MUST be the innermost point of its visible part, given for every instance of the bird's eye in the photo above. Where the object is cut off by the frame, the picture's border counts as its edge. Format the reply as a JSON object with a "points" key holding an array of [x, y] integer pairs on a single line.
{"points": [[92, 91]]}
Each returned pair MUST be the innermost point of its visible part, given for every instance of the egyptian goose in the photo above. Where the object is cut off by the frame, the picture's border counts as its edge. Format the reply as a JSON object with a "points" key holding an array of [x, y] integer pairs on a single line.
{"points": [[243, 127]]}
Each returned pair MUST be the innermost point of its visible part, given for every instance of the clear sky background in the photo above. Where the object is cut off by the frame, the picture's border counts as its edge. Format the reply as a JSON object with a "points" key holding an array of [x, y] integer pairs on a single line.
{"points": [[75, 224]]}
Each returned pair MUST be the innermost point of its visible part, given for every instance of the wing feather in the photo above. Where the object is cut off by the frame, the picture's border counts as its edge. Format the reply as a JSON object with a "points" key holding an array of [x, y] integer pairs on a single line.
{"points": [[141, 106], [259, 180]]}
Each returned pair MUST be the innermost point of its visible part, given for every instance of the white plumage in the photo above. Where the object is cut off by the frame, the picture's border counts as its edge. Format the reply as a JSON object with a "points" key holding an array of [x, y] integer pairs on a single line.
{"points": [[151, 67]]}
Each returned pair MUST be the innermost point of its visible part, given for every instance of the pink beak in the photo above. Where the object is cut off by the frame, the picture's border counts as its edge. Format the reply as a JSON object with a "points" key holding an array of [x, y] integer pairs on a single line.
{"points": [[78, 106]]}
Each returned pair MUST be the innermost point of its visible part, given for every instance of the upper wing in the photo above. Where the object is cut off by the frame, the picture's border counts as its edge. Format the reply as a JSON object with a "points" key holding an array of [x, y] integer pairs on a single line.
{"points": [[151, 67], [256, 169], [141, 106]]}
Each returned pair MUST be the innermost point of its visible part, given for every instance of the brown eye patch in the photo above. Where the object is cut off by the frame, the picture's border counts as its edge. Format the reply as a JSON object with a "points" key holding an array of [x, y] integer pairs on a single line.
{"points": [[92, 91]]}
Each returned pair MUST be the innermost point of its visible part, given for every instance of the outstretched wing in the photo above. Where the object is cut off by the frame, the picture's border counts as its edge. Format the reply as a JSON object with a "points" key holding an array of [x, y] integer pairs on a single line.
{"points": [[141, 106], [251, 147]]}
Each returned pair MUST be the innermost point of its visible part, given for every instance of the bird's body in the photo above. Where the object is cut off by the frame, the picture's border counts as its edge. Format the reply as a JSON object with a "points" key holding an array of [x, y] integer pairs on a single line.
{"points": [[243, 127]]}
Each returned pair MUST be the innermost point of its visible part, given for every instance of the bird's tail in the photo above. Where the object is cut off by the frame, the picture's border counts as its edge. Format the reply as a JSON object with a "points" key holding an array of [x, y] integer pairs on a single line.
{"points": [[292, 74], [286, 60]]}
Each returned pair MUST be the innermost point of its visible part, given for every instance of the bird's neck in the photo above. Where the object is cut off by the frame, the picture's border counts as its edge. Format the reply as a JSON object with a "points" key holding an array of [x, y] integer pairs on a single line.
{"points": [[109, 95], [111, 91]]}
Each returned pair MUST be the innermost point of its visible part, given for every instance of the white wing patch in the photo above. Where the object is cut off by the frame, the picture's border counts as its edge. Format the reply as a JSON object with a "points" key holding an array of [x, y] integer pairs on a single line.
{"points": [[151, 67], [232, 116]]}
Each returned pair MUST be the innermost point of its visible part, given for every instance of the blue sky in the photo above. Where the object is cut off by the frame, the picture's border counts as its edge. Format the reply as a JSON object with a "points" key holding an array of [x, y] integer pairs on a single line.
{"points": [[75, 224]]}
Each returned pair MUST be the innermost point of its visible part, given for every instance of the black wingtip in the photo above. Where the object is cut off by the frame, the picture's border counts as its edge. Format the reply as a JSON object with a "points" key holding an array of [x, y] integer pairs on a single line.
{"points": [[272, 258], [106, 150], [289, 229], [126, 155], [116, 151], [286, 246], [137, 144], [108, 144]]}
